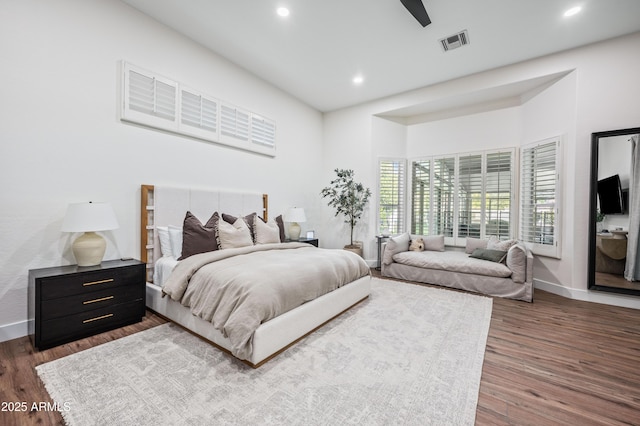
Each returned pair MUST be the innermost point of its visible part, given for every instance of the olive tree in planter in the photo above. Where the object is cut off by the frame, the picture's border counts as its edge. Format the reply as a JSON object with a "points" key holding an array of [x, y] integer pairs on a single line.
{"points": [[349, 198]]}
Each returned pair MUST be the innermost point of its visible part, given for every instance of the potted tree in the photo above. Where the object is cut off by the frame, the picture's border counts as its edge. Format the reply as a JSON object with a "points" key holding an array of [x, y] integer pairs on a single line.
{"points": [[349, 198]]}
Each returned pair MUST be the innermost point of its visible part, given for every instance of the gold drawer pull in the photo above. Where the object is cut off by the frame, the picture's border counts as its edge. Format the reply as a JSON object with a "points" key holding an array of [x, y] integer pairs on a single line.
{"points": [[97, 318], [110, 280], [97, 300]]}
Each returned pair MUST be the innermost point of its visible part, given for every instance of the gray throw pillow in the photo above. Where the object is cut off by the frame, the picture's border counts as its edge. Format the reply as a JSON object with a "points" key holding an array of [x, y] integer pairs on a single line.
{"points": [[475, 243], [497, 256], [434, 242]]}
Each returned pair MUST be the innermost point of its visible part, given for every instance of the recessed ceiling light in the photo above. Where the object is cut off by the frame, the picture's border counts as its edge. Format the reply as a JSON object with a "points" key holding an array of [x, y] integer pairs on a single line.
{"points": [[358, 79], [572, 11], [283, 11]]}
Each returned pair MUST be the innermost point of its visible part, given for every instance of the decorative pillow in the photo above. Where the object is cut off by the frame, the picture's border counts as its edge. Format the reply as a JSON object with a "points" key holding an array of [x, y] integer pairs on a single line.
{"points": [[517, 262], [250, 219], [488, 254], [234, 236], [165, 242], [175, 238], [198, 238], [434, 243], [395, 245], [268, 232], [495, 244], [474, 243]]}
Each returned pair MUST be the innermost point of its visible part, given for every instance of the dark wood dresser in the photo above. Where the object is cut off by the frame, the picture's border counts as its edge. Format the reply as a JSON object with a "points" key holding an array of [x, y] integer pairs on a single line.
{"points": [[72, 302]]}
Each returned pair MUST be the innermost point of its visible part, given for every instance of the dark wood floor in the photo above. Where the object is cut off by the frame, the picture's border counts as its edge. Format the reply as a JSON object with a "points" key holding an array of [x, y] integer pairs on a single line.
{"points": [[552, 362]]}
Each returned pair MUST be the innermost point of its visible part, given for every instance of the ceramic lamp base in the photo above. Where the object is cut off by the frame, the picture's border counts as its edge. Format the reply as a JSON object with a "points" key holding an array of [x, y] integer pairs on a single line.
{"points": [[89, 249], [294, 231]]}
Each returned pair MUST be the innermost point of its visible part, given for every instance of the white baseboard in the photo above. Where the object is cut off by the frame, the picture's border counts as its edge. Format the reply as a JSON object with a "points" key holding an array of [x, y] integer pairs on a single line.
{"points": [[614, 299], [14, 331]]}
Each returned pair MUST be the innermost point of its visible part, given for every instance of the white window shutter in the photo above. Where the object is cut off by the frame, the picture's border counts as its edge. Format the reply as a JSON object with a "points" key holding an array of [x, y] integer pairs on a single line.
{"points": [[539, 195], [198, 115], [391, 195], [149, 99], [263, 131]]}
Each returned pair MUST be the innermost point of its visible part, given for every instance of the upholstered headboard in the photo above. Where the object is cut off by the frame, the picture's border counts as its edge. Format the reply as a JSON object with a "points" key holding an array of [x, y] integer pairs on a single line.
{"points": [[164, 206]]}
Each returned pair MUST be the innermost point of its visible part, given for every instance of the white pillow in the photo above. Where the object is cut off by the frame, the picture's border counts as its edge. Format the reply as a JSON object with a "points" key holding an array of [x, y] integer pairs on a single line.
{"points": [[395, 245], [175, 238], [495, 243], [165, 242], [234, 236], [266, 233]]}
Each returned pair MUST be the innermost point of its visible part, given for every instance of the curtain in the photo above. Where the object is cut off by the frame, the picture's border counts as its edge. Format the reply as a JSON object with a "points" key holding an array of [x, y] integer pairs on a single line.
{"points": [[632, 269]]}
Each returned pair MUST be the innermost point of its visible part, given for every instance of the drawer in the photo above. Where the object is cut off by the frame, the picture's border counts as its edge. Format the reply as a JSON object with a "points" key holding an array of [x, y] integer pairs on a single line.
{"points": [[72, 284], [73, 327], [54, 308]]}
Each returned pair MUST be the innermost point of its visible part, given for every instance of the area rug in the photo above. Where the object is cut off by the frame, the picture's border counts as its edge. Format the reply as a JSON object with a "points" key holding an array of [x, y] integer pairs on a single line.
{"points": [[409, 354]]}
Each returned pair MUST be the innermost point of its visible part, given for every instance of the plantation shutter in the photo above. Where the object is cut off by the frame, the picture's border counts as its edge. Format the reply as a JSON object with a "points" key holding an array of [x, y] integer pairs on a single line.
{"points": [[443, 195], [539, 186], [263, 131], [149, 99], [234, 122], [470, 190], [420, 197], [498, 194], [199, 111], [391, 198]]}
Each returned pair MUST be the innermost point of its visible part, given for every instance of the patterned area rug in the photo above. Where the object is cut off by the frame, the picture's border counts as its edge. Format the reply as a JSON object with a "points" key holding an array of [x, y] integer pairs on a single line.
{"points": [[407, 355]]}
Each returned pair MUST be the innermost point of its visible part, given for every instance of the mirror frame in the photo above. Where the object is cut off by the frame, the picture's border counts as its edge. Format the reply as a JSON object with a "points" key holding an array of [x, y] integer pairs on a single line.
{"points": [[593, 203]]}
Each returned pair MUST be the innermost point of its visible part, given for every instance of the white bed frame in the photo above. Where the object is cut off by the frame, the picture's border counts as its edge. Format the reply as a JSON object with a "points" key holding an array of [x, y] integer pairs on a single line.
{"points": [[163, 206]]}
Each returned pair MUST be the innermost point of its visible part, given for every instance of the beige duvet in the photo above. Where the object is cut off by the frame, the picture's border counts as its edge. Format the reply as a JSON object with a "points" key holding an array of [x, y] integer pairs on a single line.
{"points": [[238, 289]]}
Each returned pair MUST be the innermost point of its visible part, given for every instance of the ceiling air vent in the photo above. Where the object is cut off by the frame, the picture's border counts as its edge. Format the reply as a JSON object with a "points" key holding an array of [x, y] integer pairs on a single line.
{"points": [[455, 41]]}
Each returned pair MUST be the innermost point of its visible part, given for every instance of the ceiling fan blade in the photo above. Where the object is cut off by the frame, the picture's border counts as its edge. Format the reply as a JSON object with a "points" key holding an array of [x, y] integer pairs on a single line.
{"points": [[417, 10]]}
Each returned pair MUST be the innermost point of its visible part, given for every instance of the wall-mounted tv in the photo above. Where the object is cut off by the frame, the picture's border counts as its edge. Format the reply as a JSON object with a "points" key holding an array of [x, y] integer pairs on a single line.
{"points": [[610, 195]]}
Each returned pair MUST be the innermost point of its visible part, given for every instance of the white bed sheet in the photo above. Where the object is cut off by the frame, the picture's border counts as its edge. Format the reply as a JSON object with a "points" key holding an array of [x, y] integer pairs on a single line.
{"points": [[162, 269]]}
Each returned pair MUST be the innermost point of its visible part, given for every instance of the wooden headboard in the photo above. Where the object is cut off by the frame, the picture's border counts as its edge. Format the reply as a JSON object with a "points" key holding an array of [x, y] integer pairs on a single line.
{"points": [[164, 206]]}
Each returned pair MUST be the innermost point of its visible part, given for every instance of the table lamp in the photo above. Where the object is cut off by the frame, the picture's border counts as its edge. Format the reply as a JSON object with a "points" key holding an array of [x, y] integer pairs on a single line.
{"points": [[89, 217], [295, 215]]}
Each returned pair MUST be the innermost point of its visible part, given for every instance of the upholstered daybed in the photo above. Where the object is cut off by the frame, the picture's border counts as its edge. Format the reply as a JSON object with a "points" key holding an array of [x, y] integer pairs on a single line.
{"points": [[508, 274]]}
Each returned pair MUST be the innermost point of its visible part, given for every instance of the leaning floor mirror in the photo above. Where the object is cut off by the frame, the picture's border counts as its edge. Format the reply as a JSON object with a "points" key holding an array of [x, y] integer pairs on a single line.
{"points": [[614, 211]]}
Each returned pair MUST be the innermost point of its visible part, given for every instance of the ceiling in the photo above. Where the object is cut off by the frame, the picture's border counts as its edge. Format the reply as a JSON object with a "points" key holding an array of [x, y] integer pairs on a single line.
{"points": [[315, 52]]}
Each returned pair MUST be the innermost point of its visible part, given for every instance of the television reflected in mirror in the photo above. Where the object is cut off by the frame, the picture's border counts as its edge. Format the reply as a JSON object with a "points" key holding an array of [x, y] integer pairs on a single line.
{"points": [[611, 195]]}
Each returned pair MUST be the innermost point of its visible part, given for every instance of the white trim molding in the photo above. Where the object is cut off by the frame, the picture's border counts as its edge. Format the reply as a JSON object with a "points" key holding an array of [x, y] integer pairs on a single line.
{"points": [[613, 299]]}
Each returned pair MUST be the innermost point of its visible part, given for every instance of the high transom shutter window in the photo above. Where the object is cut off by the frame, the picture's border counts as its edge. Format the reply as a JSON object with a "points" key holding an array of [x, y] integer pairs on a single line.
{"points": [[539, 192], [443, 195], [160, 103], [498, 194], [470, 196], [391, 198], [234, 122], [263, 131], [420, 197], [199, 111]]}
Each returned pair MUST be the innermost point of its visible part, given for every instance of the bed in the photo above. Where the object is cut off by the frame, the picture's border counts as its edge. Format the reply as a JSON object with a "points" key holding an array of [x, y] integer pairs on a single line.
{"points": [[164, 208]]}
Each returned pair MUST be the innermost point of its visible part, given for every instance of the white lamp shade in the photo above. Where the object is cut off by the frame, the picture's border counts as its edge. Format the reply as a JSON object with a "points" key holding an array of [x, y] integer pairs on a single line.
{"points": [[296, 214], [89, 217]]}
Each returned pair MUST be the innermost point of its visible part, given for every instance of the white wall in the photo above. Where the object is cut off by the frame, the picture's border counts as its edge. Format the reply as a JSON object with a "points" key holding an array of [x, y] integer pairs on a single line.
{"points": [[61, 141], [601, 94]]}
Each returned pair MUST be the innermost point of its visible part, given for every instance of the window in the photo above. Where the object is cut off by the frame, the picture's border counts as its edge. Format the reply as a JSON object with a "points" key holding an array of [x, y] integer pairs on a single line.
{"points": [[161, 103], [420, 197], [539, 195], [391, 199], [467, 195]]}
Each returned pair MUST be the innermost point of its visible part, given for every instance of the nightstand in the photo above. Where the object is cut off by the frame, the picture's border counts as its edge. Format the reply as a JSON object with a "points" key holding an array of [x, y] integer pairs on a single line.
{"points": [[312, 241], [72, 302]]}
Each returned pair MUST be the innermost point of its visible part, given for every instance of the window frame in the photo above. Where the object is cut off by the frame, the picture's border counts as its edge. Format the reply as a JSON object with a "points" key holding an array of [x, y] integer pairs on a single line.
{"points": [[457, 239], [402, 202], [549, 250]]}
